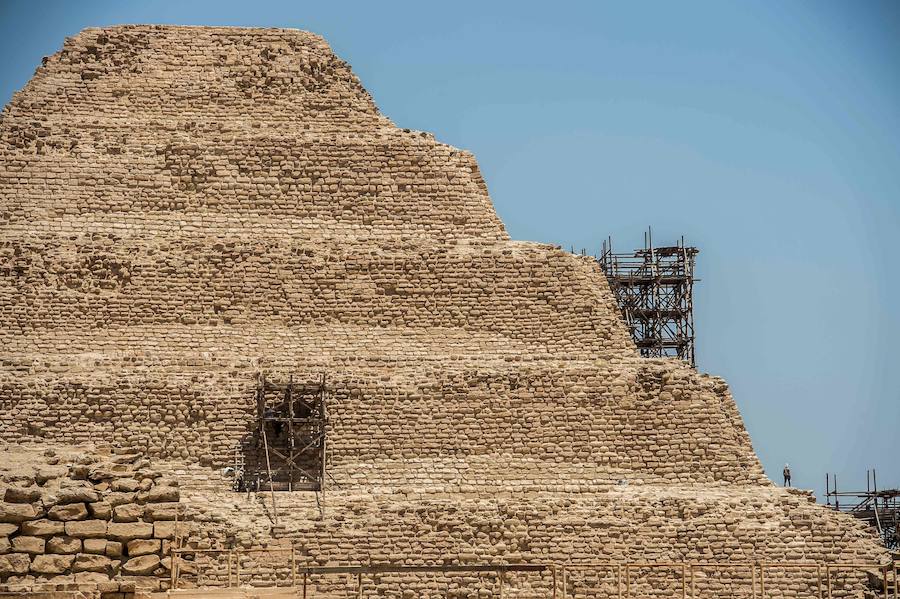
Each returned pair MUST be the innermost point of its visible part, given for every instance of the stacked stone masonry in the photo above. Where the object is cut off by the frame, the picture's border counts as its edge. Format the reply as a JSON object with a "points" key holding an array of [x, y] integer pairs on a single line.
{"points": [[88, 517], [182, 208]]}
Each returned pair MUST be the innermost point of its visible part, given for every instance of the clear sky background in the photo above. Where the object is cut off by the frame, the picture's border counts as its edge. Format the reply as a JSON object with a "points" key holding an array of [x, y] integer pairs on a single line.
{"points": [[766, 133]]}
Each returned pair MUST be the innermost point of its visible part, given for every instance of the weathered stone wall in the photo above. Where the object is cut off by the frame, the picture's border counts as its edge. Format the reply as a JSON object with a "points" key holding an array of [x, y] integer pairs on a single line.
{"points": [[155, 257], [569, 526], [89, 518], [649, 422]]}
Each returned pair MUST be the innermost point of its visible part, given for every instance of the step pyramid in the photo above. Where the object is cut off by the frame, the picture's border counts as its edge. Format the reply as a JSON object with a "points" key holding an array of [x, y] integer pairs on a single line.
{"points": [[186, 207]]}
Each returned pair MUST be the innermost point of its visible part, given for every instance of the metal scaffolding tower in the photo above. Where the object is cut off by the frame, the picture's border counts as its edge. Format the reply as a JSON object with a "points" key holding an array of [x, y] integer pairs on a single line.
{"points": [[287, 448], [654, 289], [880, 509]]}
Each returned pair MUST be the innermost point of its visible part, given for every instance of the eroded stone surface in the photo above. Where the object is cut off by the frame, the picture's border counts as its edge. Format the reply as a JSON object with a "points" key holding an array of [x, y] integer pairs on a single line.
{"points": [[52, 564], [21, 494], [14, 513], [68, 512], [42, 528], [14, 563], [144, 564], [91, 563], [25, 544], [64, 545], [40, 551]]}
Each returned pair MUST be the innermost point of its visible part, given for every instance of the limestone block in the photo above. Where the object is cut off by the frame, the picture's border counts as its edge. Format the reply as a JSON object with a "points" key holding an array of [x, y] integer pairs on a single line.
{"points": [[85, 562], [14, 513], [142, 565], [160, 511], [115, 499], [7, 529], [76, 495], [64, 545], [143, 546], [126, 531], [165, 529], [129, 512], [44, 474], [86, 529], [25, 544], [105, 472], [97, 546], [160, 494], [68, 512], [126, 485], [113, 549], [48, 499], [79, 471], [93, 579], [5, 545], [51, 564], [14, 564], [42, 528], [22, 494], [101, 510]]}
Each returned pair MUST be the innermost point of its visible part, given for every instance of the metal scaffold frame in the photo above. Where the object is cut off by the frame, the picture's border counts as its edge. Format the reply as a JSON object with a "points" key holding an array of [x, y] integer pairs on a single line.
{"points": [[298, 417], [291, 430], [654, 289], [880, 509]]}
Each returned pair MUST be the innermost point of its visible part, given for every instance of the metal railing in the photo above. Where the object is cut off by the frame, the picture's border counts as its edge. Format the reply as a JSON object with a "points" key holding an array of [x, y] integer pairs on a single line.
{"points": [[757, 571], [300, 574], [626, 574]]}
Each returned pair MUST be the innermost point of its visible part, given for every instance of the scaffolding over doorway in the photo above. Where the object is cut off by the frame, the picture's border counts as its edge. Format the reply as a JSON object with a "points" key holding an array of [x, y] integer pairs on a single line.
{"points": [[287, 449], [654, 288]]}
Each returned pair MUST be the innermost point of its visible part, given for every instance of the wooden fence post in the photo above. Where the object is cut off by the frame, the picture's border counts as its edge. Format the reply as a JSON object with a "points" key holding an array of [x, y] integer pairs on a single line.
{"points": [[619, 581], [693, 585], [293, 567], [819, 579], [553, 570], [762, 580], [173, 583], [269, 472], [753, 581]]}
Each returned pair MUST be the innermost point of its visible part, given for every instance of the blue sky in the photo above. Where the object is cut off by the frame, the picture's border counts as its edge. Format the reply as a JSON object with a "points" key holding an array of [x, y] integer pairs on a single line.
{"points": [[765, 133]]}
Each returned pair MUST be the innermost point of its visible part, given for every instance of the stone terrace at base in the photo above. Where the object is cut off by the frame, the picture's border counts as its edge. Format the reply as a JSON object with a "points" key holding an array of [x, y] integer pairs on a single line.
{"points": [[184, 207]]}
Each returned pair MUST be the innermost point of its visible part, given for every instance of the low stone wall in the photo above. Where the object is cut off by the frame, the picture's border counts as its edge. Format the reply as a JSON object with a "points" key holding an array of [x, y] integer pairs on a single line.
{"points": [[90, 521]]}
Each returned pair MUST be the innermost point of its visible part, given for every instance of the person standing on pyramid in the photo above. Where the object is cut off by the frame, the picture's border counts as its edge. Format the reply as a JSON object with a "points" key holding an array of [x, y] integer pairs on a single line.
{"points": [[787, 475]]}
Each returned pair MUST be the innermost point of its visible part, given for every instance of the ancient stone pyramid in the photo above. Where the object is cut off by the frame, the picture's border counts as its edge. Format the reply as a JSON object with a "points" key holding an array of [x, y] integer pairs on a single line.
{"points": [[184, 207]]}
